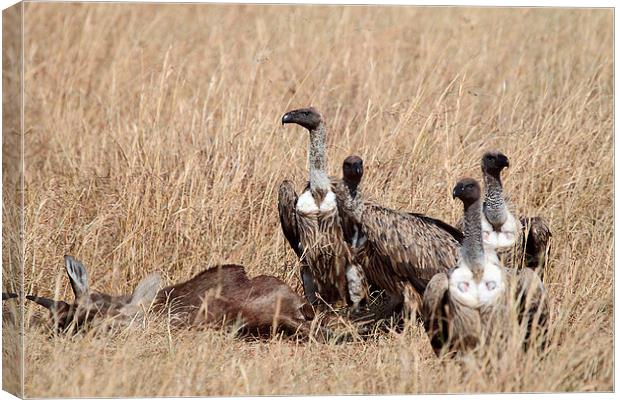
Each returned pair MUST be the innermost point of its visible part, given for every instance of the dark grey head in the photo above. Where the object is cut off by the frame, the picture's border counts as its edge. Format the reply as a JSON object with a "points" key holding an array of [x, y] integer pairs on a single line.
{"points": [[353, 169], [493, 162], [309, 118], [467, 190]]}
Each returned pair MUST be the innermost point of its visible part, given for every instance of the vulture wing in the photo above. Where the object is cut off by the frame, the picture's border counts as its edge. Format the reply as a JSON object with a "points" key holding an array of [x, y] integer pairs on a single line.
{"points": [[407, 247], [537, 236], [434, 311], [287, 203], [287, 200], [533, 305]]}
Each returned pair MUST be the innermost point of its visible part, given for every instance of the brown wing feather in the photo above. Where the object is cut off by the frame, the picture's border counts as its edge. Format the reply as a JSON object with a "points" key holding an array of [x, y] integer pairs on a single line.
{"points": [[405, 247], [537, 238], [533, 304], [434, 312], [287, 199], [325, 252]]}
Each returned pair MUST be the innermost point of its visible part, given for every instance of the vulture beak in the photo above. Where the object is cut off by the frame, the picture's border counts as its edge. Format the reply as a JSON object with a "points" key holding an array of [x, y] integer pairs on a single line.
{"points": [[287, 118], [458, 190], [503, 161]]}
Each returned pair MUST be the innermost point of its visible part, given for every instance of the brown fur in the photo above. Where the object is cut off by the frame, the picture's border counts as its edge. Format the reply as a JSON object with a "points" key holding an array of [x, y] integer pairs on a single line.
{"points": [[225, 294], [216, 296]]}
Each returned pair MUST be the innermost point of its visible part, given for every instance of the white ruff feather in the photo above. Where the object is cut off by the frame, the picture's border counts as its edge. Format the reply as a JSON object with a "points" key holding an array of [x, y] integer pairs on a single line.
{"points": [[462, 287], [329, 202], [306, 203], [465, 290], [492, 240], [492, 284]]}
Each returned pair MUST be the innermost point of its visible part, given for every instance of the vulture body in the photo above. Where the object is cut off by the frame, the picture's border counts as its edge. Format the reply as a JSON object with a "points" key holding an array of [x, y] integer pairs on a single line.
{"points": [[399, 252], [523, 241], [311, 224], [467, 305], [500, 228]]}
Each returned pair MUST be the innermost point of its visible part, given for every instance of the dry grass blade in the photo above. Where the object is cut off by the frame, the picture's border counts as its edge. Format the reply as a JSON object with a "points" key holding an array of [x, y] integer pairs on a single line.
{"points": [[153, 144]]}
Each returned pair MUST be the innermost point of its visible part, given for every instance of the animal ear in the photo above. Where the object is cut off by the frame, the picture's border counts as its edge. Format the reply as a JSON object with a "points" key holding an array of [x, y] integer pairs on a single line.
{"points": [[144, 294], [77, 275], [147, 289]]}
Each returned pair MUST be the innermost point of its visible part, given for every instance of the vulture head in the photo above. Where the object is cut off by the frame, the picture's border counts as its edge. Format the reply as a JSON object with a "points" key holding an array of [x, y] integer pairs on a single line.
{"points": [[493, 162], [309, 118], [353, 169], [467, 190]]}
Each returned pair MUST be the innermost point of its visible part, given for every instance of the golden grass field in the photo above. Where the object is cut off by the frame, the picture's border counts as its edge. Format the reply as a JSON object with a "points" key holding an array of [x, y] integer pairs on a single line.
{"points": [[153, 143]]}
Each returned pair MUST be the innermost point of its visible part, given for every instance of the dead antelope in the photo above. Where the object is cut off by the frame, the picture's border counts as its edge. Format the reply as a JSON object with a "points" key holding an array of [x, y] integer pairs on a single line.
{"points": [[217, 295]]}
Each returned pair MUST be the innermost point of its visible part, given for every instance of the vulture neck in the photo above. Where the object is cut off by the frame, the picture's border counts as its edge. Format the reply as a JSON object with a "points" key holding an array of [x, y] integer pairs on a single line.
{"points": [[317, 160], [352, 187], [353, 203], [494, 206], [472, 251]]}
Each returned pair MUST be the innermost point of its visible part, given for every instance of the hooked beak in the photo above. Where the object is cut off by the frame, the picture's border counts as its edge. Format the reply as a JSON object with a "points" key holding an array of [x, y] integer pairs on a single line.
{"points": [[287, 118], [503, 161], [457, 191]]}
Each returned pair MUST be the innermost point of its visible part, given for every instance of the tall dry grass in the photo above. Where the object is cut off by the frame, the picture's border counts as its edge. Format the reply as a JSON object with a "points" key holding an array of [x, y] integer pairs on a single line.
{"points": [[153, 143]]}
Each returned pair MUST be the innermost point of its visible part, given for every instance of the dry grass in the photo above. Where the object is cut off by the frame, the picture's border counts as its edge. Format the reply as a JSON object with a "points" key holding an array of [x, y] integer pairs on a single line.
{"points": [[153, 143]]}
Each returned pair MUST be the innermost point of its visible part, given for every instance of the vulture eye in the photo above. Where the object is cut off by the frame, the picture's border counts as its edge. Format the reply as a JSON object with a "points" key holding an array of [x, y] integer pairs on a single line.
{"points": [[463, 286], [491, 285]]}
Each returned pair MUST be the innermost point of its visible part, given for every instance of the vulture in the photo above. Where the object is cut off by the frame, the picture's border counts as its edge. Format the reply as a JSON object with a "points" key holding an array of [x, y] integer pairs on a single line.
{"points": [[464, 306], [398, 252], [517, 240], [499, 227], [311, 223]]}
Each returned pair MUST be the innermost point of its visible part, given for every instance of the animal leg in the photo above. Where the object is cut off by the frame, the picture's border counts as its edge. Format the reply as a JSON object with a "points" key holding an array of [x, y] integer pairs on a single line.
{"points": [[307, 280], [412, 301], [356, 285]]}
